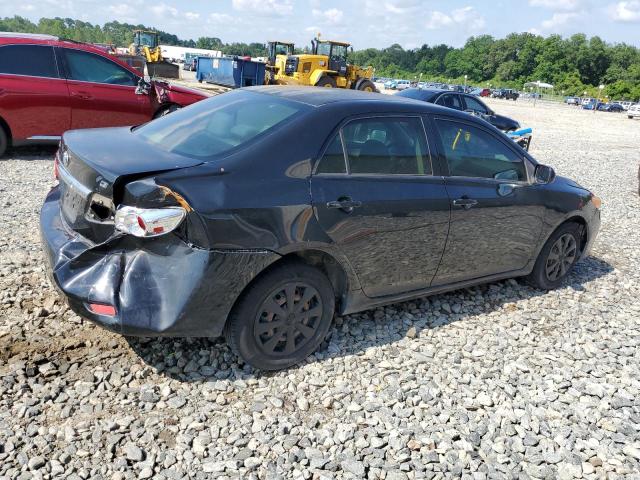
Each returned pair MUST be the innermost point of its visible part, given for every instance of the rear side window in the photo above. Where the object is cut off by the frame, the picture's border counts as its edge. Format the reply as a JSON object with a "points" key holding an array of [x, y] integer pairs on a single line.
{"points": [[333, 159], [89, 67], [217, 125], [387, 146], [450, 101], [472, 152], [31, 60]]}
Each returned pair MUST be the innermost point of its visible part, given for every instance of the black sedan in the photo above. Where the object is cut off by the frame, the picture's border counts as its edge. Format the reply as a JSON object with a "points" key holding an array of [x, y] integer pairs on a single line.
{"points": [[260, 213], [463, 102]]}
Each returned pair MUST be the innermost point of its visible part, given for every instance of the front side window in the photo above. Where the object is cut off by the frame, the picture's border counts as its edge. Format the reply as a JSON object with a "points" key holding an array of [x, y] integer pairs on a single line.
{"points": [[472, 152], [324, 48], [31, 60], [339, 52], [450, 101], [217, 125], [475, 105], [387, 146], [89, 67]]}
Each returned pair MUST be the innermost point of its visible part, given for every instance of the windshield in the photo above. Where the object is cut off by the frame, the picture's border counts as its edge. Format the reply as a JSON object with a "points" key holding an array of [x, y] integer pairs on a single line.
{"points": [[147, 39], [217, 125], [282, 49], [324, 48]]}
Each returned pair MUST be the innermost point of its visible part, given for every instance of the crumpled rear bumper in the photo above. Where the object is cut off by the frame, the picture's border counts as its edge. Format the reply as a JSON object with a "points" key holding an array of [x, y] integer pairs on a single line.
{"points": [[159, 287]]}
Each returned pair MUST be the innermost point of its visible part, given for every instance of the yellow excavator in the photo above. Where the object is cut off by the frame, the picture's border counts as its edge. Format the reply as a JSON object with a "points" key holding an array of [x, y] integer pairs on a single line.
{"points": [[327, 67], [277, 55], [146, 44]]}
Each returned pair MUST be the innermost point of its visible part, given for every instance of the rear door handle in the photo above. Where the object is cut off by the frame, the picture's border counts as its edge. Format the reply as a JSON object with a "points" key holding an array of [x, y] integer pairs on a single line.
{"points": [[345, 204], [82, 95], [465, 203]]}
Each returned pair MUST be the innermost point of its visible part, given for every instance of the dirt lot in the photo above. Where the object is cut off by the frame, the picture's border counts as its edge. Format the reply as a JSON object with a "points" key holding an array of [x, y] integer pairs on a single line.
{"points": [[501, 381]]}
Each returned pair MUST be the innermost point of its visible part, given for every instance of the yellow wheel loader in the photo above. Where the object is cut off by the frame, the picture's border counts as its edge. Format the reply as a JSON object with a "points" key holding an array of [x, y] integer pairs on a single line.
{"points": [[278, 52], [327, 67], [146, 44]]}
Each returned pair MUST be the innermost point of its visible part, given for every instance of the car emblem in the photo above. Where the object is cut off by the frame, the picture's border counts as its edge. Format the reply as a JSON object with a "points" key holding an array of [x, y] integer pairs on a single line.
{"points": [[65, 158]]}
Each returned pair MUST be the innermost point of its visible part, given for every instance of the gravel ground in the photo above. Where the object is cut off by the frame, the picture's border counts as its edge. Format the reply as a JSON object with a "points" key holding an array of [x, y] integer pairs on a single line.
{"points": [[500, 381]]}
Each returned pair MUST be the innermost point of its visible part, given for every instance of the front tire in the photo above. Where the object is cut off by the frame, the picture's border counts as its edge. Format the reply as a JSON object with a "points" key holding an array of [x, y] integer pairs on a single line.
{"points": [[4, 141], [365, 85], [557, 258], [326, 82], [283, 317]]}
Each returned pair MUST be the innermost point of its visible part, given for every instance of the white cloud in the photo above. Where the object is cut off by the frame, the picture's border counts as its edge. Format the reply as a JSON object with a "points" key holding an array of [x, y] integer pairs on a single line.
{"points": [[220, 19], [567, 5], [558, 20], [466, 17], [333, 16], [164, 10], [264, 7], [192, 16], [438, 20], [625, 11], [122, 10]]}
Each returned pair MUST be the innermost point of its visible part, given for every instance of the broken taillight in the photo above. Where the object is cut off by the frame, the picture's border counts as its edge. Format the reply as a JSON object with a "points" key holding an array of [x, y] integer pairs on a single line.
{"points": [[148, 222]]}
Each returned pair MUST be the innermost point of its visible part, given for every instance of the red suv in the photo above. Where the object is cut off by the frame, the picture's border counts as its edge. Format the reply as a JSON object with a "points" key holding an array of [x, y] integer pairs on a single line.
{"points": [[49, 85]]}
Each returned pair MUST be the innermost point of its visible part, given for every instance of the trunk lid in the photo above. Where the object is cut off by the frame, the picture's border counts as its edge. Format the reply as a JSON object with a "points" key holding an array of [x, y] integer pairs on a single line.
{"points": [[95, 164]]}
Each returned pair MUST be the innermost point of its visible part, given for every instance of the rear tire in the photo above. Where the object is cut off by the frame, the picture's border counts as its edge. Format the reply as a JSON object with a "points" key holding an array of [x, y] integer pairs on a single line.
{"points": [[557, 258], [326, 82], [4, 141], [283, 317]]}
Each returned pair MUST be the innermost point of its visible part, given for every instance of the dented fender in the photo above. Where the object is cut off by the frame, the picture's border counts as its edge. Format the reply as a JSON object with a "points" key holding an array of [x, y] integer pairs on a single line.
{"points": [[159, 287]]}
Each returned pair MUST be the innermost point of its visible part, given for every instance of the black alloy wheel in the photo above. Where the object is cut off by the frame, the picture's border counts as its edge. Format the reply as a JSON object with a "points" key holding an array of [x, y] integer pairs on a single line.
{"points": [[557, 257], [282, 317], [561, 257]]}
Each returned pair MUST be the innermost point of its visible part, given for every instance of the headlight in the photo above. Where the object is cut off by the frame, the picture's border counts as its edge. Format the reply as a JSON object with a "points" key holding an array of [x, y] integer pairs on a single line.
{"points": [[597, 201], [148, 222]]}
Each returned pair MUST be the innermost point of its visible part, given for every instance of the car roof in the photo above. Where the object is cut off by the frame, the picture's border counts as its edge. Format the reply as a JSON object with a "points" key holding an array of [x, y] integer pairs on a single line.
{"points": [[13, 38], [354, 101]]}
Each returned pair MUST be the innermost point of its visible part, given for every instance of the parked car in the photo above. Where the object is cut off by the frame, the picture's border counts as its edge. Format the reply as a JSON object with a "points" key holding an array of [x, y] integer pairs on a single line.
{"points": [[634, 111], [610, 107], [587, 100], [506, 94], [572, 101], [462, 102], [485, 92], [625, 105], [261, 212], [397, 84], [49, 85]]}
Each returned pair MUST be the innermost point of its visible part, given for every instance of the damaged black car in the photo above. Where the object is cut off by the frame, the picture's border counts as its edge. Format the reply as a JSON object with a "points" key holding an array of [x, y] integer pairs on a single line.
{"points": [[260, 213]]}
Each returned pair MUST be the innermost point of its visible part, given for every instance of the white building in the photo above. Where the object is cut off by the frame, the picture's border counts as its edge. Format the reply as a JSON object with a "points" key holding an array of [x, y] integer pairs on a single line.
{"points": [[176, 54]]}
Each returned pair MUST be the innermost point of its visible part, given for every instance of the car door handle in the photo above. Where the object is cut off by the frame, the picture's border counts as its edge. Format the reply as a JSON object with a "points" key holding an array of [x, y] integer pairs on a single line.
{"points": [[345, 204], [82, 95], [465, 203]]}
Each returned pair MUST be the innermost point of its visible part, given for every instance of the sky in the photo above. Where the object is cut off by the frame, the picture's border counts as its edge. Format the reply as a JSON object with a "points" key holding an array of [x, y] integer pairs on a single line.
{"points": [[364, 23]]}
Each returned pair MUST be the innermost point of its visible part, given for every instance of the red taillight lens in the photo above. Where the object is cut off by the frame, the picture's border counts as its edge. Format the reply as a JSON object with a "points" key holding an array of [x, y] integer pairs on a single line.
{"points": [[101, 309]]}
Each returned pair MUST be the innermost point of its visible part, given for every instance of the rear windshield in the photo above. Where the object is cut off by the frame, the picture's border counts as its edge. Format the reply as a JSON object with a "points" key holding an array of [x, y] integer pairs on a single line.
{"points": [[416, 94], [218, 125]]}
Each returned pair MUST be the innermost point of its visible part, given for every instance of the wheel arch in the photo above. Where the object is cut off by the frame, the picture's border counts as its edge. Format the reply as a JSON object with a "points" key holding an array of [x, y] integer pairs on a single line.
{"points": [[340, 275], [7, 130], [573, 218]]}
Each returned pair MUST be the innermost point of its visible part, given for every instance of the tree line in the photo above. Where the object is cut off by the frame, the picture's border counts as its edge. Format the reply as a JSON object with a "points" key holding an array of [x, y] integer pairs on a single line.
{"points": [[573, 65]]}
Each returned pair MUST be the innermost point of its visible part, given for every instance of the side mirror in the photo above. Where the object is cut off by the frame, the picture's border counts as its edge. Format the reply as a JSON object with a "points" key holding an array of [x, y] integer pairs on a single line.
{"points": [[491, 112], [544, 174]]}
